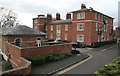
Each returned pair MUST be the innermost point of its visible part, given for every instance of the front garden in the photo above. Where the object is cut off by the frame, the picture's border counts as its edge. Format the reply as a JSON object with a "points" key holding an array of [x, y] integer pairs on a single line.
{"points": [[112, 69], [51, 57]]}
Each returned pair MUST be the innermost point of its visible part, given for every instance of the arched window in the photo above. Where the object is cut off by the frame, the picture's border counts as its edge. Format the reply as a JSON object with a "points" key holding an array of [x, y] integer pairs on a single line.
{"points": [[39, 42], [18, 42]]}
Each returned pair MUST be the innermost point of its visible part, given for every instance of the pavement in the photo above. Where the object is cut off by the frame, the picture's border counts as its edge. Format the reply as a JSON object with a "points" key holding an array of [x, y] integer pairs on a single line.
{"points": [[53, 67]]}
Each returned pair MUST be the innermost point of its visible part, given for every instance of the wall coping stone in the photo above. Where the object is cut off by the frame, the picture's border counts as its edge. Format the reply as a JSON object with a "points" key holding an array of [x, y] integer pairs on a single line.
{"points": [[45, 46]]}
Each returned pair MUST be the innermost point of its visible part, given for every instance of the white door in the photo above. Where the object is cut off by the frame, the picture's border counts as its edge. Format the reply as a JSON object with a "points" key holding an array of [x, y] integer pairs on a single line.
{"points": [[38, 42]]}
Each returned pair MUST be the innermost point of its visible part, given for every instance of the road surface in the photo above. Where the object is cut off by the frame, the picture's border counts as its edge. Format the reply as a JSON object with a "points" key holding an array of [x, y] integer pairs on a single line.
{"points": [[98, 60]]}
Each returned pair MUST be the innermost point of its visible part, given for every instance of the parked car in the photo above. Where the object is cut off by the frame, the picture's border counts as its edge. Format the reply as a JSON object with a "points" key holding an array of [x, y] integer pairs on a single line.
{"points": [[78, 45]]}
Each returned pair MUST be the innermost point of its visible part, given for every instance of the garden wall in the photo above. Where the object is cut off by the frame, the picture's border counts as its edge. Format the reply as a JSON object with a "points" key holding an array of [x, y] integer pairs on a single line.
{"points": [[58, 48], [21, 71]]}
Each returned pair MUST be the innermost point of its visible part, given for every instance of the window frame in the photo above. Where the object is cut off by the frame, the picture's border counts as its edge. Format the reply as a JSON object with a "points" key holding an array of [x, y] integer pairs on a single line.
{"points": [[66, 29], [35, 21], [66, 36], [96, 16], [46, 28], [51, 28], [78, 40], [35, 27], [104, 27], [101, 17], [51, 35], [81, 15], [78, 25]]}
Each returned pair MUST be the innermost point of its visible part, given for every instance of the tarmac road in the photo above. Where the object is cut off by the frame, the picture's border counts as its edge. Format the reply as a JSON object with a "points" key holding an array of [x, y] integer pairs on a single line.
{"points": [[99, 59]]}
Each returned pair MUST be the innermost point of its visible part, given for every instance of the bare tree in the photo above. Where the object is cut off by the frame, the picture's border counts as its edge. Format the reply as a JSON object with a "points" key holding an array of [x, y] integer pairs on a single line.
{"points": [[7, 18]]}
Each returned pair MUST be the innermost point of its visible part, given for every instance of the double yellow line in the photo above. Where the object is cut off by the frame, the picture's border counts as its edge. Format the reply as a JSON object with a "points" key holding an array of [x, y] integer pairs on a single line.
{"points": [[73, 66]]}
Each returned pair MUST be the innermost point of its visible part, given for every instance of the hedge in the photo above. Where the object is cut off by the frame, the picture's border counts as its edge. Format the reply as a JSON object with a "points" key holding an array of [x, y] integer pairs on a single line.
{"points": [[6, 65], [112, 69], [42, 59], [98, 44], [36, 60]]}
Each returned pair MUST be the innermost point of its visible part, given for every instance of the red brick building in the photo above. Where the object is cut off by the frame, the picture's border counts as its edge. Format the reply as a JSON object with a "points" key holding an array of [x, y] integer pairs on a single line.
{"points": [[85, 26], [117, 32]]}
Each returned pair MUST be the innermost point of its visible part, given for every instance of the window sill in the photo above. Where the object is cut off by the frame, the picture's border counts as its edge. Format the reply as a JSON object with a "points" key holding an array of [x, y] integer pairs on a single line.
{"points": [[80, 18], [80, 30]]}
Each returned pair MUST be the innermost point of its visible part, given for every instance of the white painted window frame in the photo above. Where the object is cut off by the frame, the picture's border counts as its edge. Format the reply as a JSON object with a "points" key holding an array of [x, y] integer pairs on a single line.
{"points": [[81, 15], [66, 36], [78, 40], [66, 27], [51, 35], [78, 25], [51, 27]]}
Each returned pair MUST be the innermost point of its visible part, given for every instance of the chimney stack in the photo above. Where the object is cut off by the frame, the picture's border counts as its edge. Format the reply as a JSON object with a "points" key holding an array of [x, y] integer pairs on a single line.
{"points": [[83, 6], [68, 15], [58, 16], [49, 17]]}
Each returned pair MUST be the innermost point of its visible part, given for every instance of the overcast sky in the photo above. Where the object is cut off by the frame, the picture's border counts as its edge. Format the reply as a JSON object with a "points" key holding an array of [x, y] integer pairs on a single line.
{"points": [[28, 9]]}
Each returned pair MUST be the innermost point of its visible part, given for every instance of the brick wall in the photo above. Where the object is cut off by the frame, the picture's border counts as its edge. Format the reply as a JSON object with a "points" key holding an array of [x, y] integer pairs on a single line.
{"points": [[58, 48], [20, 71], [15, 53]]}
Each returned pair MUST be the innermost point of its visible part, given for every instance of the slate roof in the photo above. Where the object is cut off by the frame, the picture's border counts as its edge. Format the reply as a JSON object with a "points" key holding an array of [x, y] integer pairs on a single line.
{"points": [[61, 21], [20, 30], [86, 9]]}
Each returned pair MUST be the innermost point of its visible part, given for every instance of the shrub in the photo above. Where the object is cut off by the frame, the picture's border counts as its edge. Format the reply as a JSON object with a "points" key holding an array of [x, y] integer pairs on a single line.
{"points": [[55, 56], [42, 59], [98, 44], [36, 60], [75, 52], [110, 69], [6, 65], [52, 57], [64, 55]]}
